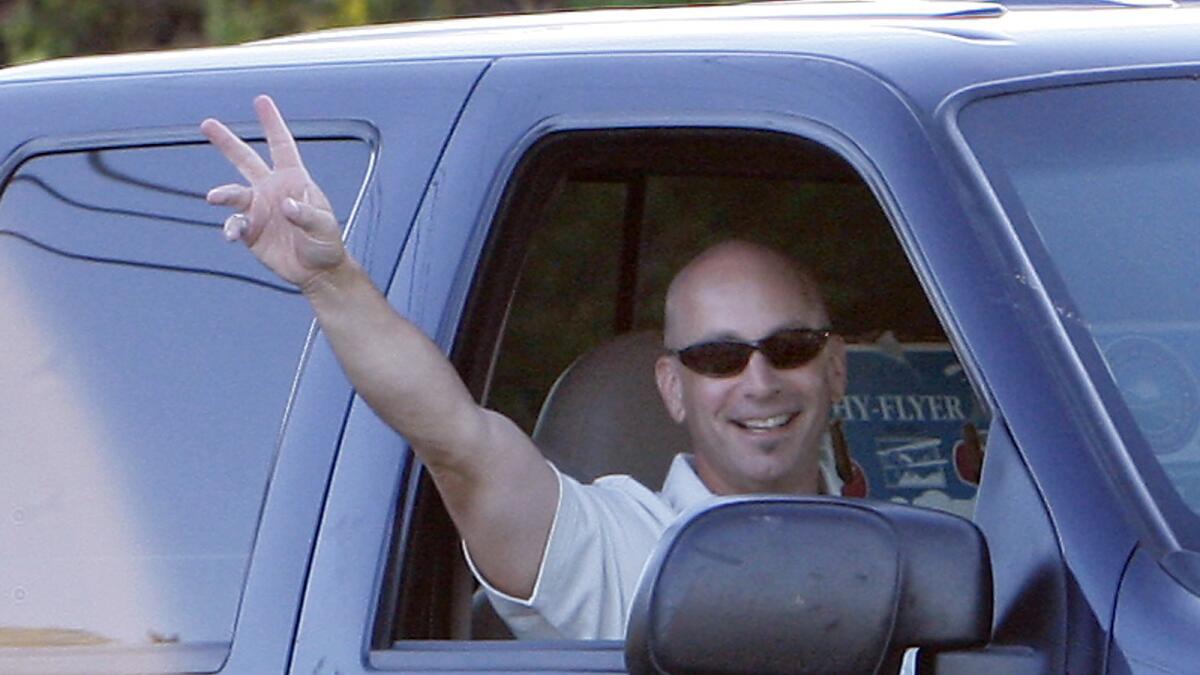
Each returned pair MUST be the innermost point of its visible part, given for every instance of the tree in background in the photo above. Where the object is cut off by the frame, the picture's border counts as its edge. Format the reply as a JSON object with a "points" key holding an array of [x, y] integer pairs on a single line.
{"points": [[38, 29], [32, 30]]}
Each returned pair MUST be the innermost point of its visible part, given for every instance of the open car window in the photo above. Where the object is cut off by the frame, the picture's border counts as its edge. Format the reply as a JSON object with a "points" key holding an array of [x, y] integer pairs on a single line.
{"points": [[593, 228]]}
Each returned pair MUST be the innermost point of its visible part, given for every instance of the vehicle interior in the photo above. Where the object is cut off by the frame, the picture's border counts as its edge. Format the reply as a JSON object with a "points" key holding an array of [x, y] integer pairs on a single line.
{"points": [[562, 328]]}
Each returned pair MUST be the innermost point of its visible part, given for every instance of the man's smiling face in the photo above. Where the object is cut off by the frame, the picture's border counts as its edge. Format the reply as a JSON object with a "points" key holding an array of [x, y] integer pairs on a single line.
{"points": [[759, 430]]}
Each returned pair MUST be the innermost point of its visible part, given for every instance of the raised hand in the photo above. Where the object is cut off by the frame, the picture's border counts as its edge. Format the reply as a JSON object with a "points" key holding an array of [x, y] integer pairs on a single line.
{"points": [[283, 217], [474, 455]]}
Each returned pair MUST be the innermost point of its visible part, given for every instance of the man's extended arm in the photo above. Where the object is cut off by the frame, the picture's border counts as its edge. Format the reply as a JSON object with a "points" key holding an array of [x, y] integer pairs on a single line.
{"points": [[495, 483]]}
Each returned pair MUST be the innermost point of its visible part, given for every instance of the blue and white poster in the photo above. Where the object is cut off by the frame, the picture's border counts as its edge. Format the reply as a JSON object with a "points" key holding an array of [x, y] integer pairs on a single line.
{"points": [[912, 424]]}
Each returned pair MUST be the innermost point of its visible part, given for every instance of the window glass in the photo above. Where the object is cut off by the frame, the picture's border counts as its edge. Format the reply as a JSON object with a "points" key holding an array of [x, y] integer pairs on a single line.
{"points": [[145, 366], [1113, 204]]}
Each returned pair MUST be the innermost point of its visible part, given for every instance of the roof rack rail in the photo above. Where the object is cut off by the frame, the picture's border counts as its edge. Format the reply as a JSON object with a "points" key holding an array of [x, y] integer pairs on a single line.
{"points": [[1060, 4]]}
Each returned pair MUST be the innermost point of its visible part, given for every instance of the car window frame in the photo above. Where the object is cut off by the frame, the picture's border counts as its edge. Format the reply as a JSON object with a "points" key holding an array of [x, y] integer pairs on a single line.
{"points": [[478, 340], [474, 349]]}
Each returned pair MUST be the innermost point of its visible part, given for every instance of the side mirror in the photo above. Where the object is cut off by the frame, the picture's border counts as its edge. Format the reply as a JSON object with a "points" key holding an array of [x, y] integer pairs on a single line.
{"points": [[808, 585]]}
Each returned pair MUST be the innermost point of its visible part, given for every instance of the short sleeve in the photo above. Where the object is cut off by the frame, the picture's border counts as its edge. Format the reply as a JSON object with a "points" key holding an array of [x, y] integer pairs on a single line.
{"points": [[601, 537]]}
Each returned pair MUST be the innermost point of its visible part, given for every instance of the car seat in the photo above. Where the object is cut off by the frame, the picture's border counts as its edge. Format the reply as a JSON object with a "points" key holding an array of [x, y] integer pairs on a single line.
{"points": [[602, 416]]}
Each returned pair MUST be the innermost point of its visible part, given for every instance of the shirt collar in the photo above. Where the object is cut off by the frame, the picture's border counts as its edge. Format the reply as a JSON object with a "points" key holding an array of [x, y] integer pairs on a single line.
{"points": [[682, 488]]}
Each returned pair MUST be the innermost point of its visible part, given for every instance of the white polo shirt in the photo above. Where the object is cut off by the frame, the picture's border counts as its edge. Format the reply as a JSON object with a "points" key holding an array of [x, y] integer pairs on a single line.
{"points": [[601, 538]]}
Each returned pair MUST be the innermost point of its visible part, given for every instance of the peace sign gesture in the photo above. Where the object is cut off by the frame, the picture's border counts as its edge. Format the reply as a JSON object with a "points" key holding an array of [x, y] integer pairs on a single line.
{"points": [[283, 217]]}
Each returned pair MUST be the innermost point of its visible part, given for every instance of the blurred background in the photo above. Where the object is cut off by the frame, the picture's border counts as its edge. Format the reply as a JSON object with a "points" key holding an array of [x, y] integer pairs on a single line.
{"points": [[33, 30]]}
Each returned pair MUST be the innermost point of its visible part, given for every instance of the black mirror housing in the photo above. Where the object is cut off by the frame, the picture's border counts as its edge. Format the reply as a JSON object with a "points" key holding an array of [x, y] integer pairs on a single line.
{"points": [[808, 585]]}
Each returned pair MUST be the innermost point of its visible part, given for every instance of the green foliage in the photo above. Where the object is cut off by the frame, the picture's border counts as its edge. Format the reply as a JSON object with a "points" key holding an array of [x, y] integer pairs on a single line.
{"points": [[32, 30], [231, 21], [38, 29]]}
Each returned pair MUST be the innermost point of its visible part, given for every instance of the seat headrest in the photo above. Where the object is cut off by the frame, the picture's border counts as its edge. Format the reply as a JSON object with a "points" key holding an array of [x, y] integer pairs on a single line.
{"points": [[604, 415]]}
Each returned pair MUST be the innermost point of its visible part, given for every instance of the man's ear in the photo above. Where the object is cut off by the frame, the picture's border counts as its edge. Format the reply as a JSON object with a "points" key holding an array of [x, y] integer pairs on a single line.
{"points": [[666, 375], [835, 367]]}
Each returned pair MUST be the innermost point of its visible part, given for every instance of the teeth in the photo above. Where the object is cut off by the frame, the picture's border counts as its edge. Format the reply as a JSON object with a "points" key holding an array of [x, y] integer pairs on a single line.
{"points": [[768, 423]]}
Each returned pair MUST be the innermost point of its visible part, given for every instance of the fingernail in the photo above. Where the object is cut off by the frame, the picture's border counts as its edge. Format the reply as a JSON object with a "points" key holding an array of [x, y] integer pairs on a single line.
{"points": [[235, 226], [222, 194], [291, 208]]}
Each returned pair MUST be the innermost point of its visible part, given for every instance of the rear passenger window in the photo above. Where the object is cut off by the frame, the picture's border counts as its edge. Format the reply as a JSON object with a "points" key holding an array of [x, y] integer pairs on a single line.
{"points": [[145, 370], [595, 225]]}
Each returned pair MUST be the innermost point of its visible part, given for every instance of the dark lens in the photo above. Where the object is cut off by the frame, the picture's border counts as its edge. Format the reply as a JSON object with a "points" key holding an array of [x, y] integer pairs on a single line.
{"points": [[793, 348], [719, 359]]}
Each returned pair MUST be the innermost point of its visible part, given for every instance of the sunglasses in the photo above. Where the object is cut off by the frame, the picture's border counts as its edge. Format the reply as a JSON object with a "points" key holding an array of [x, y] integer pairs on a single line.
{"points": [[784, 349]]}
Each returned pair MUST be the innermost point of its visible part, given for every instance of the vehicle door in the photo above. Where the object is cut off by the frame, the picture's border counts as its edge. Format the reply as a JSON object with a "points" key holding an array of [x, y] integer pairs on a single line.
{"points": [[623, 155]]}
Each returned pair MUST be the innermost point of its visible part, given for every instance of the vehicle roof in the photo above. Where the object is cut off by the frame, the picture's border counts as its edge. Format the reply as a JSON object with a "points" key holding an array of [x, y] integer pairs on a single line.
{"points": [[925, 48]]}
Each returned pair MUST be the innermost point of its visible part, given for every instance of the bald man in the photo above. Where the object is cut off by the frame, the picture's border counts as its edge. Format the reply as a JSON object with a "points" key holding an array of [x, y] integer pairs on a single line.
{"points": [[756, 426], [750, 368]]}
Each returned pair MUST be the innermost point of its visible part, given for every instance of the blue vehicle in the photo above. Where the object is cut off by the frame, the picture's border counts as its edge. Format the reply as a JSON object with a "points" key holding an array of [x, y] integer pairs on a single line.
{"points": [[1001, 202]]}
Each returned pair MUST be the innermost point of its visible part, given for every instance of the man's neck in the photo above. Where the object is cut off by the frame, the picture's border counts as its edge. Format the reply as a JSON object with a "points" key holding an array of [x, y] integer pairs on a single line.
{"points": [[812, 483]]}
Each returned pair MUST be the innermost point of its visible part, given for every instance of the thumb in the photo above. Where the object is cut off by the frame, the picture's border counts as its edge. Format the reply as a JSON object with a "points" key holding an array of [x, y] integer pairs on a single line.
{"points": [[316, 222]]}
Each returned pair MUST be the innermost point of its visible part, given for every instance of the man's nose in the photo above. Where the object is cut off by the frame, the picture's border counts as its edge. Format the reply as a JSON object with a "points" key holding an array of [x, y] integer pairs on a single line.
{"points": [[759, 378]]}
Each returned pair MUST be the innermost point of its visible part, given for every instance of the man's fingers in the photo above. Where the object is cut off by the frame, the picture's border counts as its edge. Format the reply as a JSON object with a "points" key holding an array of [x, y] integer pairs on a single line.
{"points": [[284, 153], [241, 156], [234, 196], [312, 220]]}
